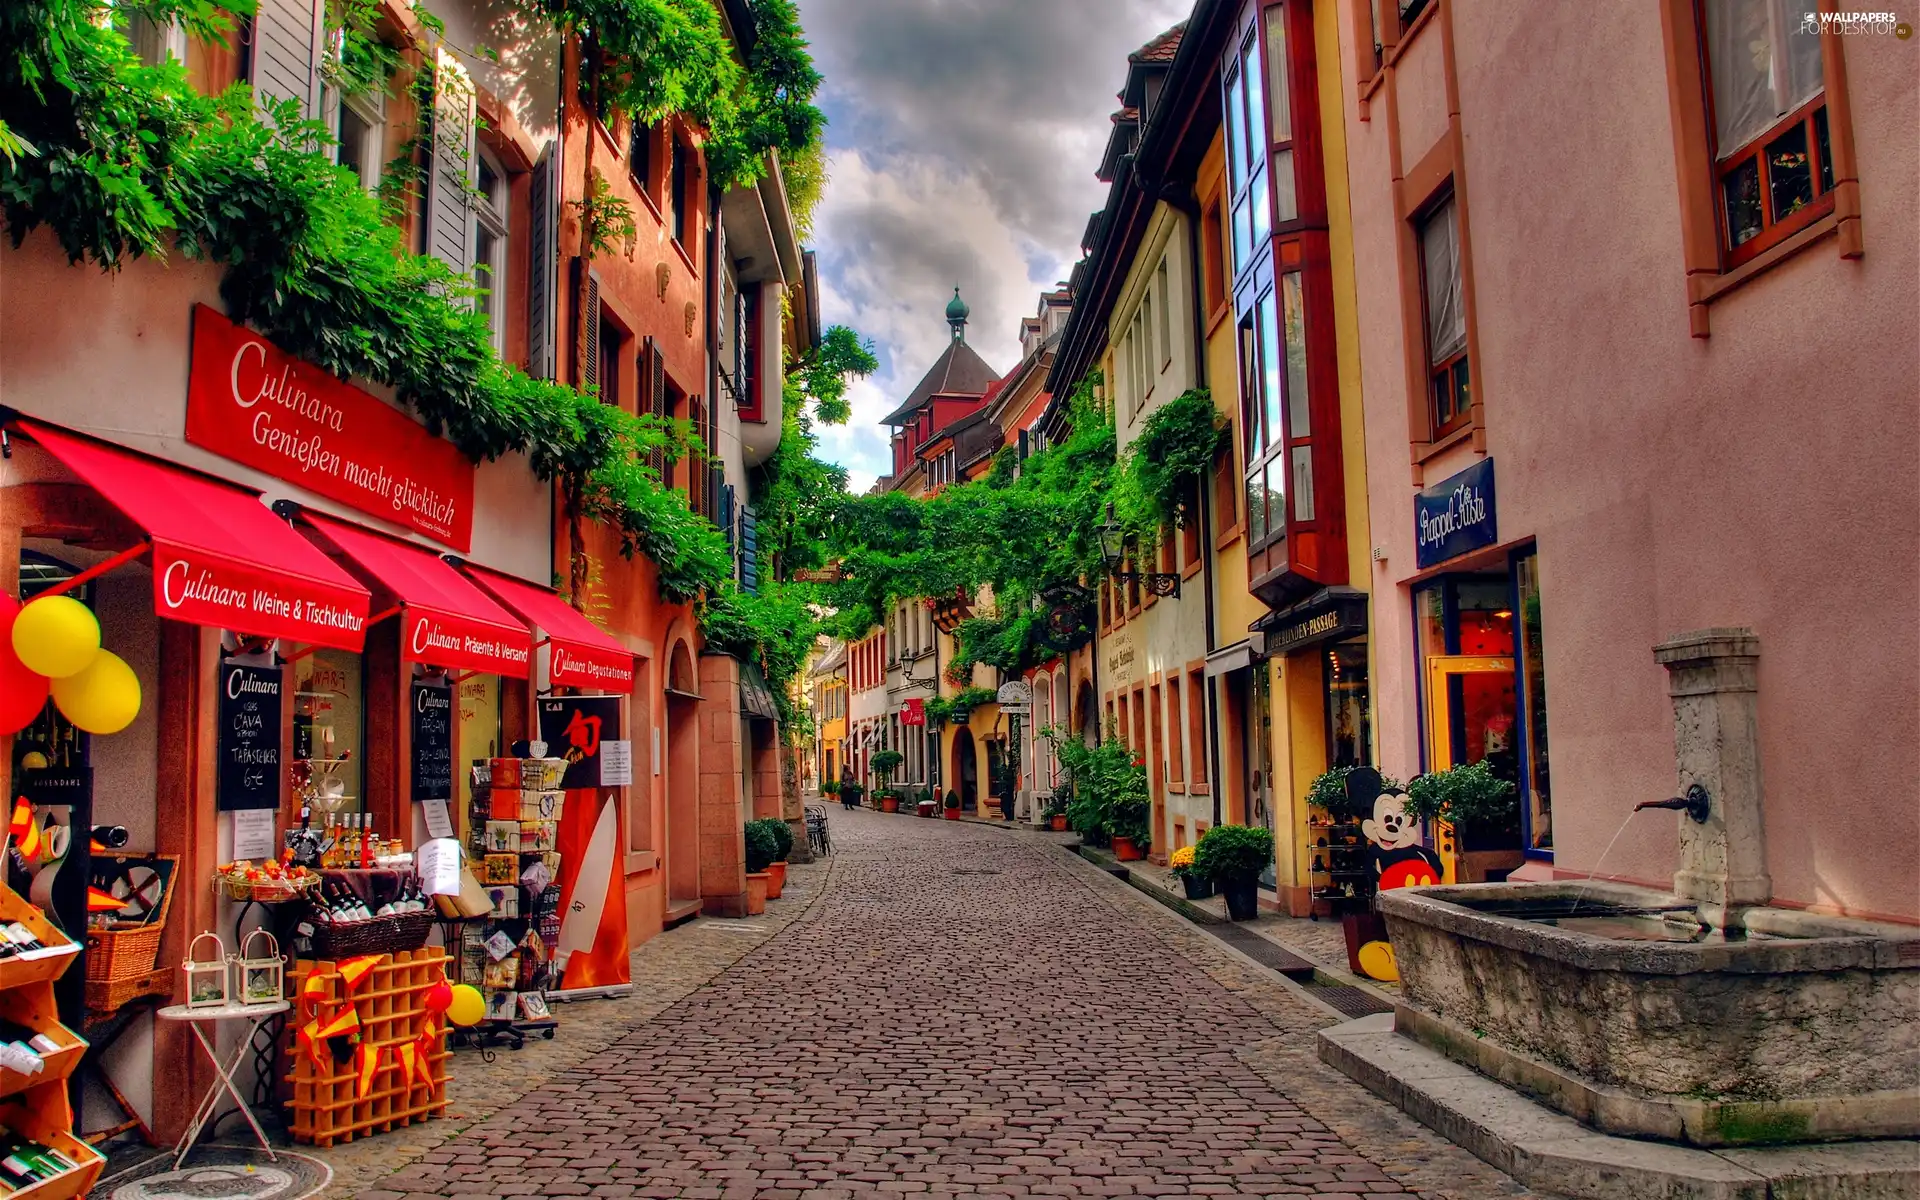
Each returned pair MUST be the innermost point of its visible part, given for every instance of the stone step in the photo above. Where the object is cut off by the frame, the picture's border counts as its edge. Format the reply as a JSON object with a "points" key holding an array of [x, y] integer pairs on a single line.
{"points": [[1554, 1153]]}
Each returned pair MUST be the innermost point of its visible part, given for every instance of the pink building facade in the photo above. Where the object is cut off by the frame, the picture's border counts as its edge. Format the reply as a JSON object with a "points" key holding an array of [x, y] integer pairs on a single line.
{"points": [[1638, 338]]}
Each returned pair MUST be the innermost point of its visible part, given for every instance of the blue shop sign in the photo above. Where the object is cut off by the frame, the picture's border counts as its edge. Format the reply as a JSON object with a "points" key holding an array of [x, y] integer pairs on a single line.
{"points": [[1455, 515]]}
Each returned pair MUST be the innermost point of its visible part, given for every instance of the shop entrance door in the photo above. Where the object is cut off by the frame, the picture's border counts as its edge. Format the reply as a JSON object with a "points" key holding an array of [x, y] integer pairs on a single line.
{"points": [[1470, 718], [1257, 748]]}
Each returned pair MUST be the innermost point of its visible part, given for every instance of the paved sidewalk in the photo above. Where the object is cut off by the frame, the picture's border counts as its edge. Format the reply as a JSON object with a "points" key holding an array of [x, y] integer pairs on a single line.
{"points": [[963, 1011]]}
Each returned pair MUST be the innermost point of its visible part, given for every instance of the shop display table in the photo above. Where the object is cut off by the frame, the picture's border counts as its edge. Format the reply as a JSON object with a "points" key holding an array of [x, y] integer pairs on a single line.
{"points": [[256, 1015]]}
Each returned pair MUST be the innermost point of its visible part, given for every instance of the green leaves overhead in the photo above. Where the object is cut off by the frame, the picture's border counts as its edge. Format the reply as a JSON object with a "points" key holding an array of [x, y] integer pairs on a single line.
{"points": [[673, 56]]}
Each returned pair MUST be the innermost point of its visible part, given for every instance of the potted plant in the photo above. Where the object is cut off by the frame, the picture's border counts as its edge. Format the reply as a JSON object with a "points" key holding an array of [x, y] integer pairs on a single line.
{"points": [[760, 850], [952, 805], [783, 846], [1482, 808], [1197, 884], [1233, 856], [1057, 812], [884, 764], [830, 787]]}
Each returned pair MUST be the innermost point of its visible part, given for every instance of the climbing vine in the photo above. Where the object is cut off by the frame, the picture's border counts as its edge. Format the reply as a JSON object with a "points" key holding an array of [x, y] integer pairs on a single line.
{"points": [[1158, 483]]}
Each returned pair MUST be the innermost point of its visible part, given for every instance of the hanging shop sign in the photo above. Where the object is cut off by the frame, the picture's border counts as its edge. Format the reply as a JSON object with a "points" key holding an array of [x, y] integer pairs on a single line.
{"points": [[464, 643], [249, 737], [1455, 515], [432, 717], [1328, 615], [1015, 698], [252, 402], [914, 712], [573, 727]]}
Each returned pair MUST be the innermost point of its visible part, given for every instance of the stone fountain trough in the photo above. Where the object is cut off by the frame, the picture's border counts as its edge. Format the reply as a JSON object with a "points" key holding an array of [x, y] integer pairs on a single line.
{"points": [[1701, 1016], [1791, 1027]]}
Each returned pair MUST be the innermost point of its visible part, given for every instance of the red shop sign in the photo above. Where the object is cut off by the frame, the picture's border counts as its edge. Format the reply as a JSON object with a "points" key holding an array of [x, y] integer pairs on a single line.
{"points": [[252, 402], [914, 712], [208, 589], [575, 665], [466, 644]]}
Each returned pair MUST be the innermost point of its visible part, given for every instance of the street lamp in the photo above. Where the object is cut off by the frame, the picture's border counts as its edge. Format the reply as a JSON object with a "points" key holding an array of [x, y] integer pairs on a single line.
{"points": [[1113, 545]]}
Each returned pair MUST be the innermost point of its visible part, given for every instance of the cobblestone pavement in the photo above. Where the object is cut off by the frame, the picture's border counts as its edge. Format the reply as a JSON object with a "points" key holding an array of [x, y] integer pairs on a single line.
{"points": [[962, 1011]]}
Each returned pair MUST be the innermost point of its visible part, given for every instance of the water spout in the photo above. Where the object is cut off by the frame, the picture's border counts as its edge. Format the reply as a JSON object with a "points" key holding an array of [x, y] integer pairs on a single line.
{"points": [[1695, 803]]}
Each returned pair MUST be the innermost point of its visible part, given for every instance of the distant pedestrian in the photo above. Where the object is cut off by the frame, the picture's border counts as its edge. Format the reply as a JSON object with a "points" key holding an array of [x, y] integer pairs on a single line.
{"points": [[849, 787]]}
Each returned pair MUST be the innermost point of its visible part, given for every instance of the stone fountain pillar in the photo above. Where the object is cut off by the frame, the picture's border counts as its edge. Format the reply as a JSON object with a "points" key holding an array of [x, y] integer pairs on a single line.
{"points": [[1713, 679]]}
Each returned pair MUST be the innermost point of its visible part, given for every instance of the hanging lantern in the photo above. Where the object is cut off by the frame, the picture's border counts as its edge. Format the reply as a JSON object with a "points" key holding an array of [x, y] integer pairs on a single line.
{"points": [[260, 975], [206, 978]]}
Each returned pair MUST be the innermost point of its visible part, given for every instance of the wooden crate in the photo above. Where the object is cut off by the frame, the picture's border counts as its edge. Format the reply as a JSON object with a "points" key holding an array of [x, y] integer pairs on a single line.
{"points": [[391, 1002]]}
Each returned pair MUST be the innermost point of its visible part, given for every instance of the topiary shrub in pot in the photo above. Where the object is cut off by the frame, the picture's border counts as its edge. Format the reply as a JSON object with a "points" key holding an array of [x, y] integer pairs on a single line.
{"points": [[1482, 808], [782, 847], [1233, 856], [759, 849], [952, 805]]}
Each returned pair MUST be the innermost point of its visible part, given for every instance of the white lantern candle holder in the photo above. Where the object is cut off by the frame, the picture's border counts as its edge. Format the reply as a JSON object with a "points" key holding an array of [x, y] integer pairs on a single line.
{"points": [[259, 976], [206, 978]]}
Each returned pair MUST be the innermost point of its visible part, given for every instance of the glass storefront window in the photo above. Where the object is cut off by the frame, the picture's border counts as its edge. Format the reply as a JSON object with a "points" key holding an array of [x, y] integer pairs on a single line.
{"points": [[1533, 687], [1349, 724], [329, 726]]}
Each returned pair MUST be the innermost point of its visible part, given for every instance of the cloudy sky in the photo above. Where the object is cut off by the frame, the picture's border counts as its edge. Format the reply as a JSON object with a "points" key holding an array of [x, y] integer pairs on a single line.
{"points": [[962, 142]]}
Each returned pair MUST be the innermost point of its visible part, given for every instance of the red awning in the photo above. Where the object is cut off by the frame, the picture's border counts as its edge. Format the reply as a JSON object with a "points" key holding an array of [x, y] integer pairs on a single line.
{"points": [[220, 557], [445, 620], [581, 654]]}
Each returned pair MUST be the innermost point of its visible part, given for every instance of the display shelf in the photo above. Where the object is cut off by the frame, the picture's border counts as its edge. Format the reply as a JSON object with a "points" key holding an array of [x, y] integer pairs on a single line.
{"points": [[36, 1107], [391, 1003]]}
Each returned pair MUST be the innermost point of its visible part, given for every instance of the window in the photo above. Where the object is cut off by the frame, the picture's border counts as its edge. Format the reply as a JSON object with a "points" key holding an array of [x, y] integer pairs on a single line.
{"points": [[749, 398], [1162, 307], [640, 157], [680, 181], [1176, 756], [1197, 727], [358, 123], [608, 376], [1449, 392], [1293, 318], [1214, 267], [1262, 372], [1773, 161], [1280, 117], [490, 247], [156, 41], [1246, 118]]}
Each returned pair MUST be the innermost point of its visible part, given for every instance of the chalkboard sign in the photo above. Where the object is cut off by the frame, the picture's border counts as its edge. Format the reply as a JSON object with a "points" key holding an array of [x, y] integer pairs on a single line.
{"points": [[573, 728], [432, 742], [249, 737]]}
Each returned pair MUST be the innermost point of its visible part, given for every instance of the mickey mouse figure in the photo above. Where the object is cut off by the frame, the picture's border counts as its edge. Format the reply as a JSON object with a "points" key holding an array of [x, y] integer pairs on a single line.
{"points": [[1396, 855]]}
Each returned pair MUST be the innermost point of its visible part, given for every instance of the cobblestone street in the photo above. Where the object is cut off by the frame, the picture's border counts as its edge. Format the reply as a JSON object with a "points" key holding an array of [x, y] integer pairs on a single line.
{"points": [[963, 1010]]}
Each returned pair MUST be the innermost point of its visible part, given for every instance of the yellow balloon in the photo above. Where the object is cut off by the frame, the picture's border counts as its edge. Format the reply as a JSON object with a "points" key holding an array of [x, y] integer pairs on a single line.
{"points": [[1377, 962], [468, 1005], [56, 636], [103, 698]]}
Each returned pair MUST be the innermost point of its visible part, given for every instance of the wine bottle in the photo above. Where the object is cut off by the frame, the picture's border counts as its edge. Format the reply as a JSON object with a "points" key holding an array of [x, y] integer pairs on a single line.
{"points": [[366, 842], [113, 837]]}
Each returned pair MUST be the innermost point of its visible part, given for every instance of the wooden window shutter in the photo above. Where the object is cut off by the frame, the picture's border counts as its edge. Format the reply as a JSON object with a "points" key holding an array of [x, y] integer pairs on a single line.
{"points": [[588, 372], [451, 172], [749, 550], [284, 63], [540, 264]]}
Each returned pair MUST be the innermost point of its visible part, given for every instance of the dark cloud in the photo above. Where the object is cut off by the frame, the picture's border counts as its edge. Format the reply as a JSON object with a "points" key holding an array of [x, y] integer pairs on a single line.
{"points": [[963, 139]]}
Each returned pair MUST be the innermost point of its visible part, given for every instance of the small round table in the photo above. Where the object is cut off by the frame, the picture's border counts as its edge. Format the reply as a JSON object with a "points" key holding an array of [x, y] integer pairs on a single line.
{"points": [[256, 1015]]}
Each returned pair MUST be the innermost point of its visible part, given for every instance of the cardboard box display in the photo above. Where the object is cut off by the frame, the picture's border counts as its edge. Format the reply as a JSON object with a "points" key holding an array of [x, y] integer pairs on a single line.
{"points": [[541, 774], [537, 836], [501, 869], [505, 804], [505, 902], [542, 806], [503, 837]]}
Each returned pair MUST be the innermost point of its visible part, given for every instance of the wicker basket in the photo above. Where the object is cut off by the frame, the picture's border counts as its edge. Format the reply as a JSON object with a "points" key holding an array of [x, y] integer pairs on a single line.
{"points": [[112, 996], [390, 934], [263, 891], [116, 953]]}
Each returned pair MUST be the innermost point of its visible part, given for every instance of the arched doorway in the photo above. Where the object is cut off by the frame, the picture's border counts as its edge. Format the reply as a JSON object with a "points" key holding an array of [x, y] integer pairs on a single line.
{"points": [[966, 769], [1089, 712], [683, 778], [997, 781]]}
